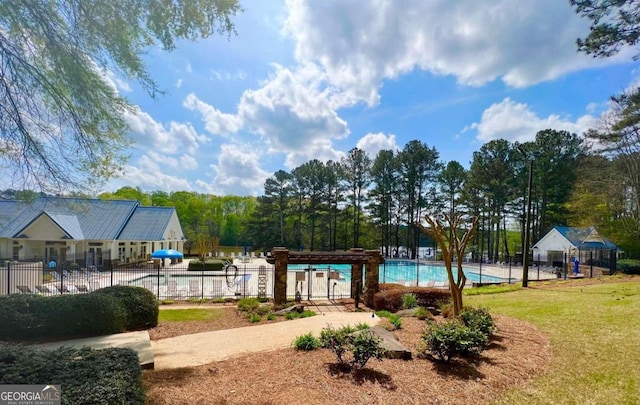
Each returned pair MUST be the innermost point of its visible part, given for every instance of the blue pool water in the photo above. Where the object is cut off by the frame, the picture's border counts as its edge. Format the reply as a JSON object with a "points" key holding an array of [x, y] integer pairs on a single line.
{"points": [[396, 270]]}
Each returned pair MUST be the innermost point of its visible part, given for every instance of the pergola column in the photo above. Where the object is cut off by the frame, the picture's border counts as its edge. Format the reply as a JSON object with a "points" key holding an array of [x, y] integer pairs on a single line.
{"points": [[356, 275], [372, 283], [281, 256]]}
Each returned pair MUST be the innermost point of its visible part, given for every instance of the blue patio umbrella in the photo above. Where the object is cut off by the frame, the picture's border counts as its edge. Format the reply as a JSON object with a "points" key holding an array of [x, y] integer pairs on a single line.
{"points": [[166, 254]]}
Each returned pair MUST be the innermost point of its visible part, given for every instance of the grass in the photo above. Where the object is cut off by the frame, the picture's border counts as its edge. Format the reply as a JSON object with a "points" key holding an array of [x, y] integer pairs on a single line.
{"points": [[492, 289], [192, 314], [595, 334]]}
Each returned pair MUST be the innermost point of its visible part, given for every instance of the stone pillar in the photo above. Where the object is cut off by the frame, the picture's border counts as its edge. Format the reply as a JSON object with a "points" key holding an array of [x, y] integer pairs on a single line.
{"points": [[281, 256], [372, 283], [356, 274]]}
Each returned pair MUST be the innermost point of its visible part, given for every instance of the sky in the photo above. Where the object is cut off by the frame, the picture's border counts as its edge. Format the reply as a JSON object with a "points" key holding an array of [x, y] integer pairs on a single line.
{"points": [[307, 80]]}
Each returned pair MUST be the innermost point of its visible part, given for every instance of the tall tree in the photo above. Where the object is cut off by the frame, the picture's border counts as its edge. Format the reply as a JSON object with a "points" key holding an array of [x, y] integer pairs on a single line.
{"points": [[357, 166], [277, 191], [384, 198], [418, 168], [492, 171], [62, 123], [450, 180]]}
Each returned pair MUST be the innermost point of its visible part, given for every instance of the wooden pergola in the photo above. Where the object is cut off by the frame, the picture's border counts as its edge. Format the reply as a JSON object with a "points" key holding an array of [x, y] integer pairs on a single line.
{"points": [[356, 257]]}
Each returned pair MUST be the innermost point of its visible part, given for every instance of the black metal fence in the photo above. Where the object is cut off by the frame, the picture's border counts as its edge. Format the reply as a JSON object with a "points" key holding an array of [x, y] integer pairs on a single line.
{"points": [[173, 281]]}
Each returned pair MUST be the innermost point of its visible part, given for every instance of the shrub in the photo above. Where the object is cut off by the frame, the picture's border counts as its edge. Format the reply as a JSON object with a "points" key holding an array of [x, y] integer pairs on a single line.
{"points": [[306, 342], [208, 265], [295, 314], [271, 317], [253, 318], [391, 299], [446, 310], [141, 305], [87, 376], [31, 316], [629, 266], [422, 313], [409, 301], [361, 345], [444, 341], [394, 321], [479, 319], [248, 304]]}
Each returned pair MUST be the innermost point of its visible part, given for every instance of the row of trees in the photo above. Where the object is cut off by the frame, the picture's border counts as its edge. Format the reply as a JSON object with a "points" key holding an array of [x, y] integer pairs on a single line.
{"points": [[370, 203], [379, 202]]}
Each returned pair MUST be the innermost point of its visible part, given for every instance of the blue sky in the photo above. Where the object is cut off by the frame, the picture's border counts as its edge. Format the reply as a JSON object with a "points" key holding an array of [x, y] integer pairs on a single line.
{"points": [[312, 79]]}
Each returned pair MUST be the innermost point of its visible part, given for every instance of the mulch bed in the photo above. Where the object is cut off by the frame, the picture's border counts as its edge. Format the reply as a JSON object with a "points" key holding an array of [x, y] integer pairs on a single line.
{"points": [[517, 353]]}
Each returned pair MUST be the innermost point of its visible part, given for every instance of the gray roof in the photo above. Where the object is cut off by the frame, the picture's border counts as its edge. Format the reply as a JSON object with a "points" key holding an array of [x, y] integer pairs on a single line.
{"points": [[147, 223], [88, 219]]}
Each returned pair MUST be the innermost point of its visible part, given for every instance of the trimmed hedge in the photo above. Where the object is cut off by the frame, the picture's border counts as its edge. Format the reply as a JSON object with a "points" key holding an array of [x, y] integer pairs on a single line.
{"points": [[390, 299], [141, 305], [629, 266], [209, 265], [86, 376], [105, 311], [35, 317]]}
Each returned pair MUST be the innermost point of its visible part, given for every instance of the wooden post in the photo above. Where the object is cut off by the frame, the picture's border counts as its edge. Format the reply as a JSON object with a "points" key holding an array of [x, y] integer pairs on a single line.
{"points": [[281, 256]]}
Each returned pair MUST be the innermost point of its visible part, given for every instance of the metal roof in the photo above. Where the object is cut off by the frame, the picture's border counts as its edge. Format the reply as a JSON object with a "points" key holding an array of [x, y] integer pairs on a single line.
{"points": [[147, 223], [88, 219], [585, 238], [69, 224]]}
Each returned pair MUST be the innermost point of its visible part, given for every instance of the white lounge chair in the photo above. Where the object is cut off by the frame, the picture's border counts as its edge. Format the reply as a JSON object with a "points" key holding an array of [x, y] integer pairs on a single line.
{"points": [[194, 288], [216, 288]]}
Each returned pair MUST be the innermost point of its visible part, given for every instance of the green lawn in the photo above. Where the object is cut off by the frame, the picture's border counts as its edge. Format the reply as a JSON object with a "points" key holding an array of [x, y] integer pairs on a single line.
{"points": [[192, 314], [594, 331]]}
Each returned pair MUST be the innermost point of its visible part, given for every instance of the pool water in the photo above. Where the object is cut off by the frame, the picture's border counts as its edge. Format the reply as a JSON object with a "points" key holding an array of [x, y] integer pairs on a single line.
{"points": [[403, 270]]}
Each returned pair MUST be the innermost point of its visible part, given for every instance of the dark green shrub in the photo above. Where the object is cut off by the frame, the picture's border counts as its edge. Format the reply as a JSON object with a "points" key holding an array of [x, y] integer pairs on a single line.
{"points": [[409, 301], [208, 265], [140, 303], [444, 341], [87, 376], [306, 342], [360, 345], [271, 317], [478, 319], [629, 266], [33, 317]]}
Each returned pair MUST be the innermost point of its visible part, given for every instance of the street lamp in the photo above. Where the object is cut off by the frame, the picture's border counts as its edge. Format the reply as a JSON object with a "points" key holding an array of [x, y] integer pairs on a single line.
{"points": [[531, 156]]}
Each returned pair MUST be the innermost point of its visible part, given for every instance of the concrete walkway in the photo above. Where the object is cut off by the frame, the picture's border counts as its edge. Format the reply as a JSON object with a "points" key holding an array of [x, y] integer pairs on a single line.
{"points": [[207, 347]]}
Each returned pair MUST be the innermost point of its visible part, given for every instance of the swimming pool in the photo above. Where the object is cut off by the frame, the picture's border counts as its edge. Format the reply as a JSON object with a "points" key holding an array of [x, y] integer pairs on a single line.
{"points": [[393, 271]]}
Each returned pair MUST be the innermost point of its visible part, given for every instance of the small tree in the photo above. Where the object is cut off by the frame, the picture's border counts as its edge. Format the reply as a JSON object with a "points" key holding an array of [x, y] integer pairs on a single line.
{"points": [[451, 243]]}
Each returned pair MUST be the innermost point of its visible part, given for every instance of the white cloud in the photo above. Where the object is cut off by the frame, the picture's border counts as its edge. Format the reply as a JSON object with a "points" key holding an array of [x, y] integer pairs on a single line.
{"points": [[293, 112], [359, 44], [516, 122], [179, 83], [225, 76], [373, 143], [177, 138], [238, 171], [147, 174], [216, 122]]}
